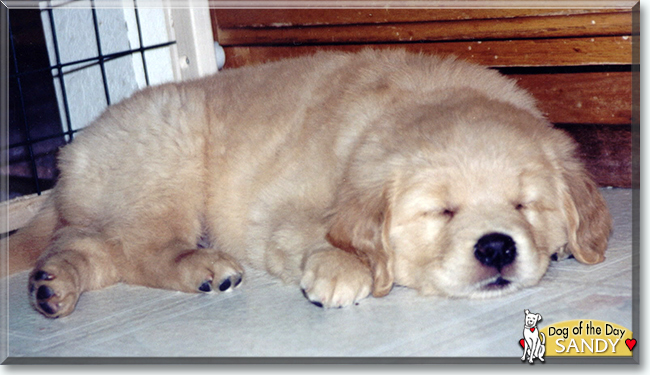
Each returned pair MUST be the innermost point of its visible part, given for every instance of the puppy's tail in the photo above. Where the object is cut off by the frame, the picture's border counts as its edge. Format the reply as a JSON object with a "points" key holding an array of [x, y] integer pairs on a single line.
{"points": [[23, 248], [543, 338]]}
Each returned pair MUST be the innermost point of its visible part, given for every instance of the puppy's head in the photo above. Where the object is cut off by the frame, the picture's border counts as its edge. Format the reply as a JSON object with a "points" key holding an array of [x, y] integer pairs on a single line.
{"points": [[468, 200]]}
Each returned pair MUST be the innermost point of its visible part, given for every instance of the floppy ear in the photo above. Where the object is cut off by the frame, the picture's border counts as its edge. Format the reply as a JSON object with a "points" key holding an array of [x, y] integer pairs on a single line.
{"points": [[587, 216], [360, 226]]}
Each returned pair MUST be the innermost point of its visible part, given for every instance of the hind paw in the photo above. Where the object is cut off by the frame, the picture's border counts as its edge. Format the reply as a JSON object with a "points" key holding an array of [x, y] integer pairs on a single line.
{"points": [[205, 271], [53, 294], [226, 284]]}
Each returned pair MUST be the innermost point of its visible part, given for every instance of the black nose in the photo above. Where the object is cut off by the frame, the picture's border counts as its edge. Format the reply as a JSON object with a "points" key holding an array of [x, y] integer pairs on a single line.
{"points": [[495, 250]]}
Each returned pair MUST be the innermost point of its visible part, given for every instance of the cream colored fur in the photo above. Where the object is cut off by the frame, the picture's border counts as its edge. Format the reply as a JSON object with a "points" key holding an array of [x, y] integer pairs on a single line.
{"points": [[344, 173]]}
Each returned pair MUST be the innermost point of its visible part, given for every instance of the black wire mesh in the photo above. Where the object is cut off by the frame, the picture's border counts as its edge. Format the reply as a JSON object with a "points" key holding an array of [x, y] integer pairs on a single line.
{"points": [[35, 124]]}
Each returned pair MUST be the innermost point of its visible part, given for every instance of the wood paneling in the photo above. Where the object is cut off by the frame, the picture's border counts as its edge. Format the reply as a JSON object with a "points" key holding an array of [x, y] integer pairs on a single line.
{"points": [[606, 151], [610, 50], [258, 18], [582, 98], [504, 28]]}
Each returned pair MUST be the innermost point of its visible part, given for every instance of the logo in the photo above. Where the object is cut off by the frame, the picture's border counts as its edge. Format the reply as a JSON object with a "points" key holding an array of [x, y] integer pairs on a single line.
{"points": [[587, 337], [534, 342], [574, 338]]}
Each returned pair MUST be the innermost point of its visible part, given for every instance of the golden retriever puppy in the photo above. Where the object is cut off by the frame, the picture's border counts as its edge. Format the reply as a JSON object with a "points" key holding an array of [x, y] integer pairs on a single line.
{"points": [[343, 173]]}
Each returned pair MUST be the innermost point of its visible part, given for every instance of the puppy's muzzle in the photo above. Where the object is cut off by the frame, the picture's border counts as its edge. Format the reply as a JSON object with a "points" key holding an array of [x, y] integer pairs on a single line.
{"points": [[495, 250]]}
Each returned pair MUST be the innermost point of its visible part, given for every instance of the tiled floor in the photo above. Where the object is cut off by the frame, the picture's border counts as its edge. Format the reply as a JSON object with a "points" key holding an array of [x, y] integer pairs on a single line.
{"points": [[264, 318]]}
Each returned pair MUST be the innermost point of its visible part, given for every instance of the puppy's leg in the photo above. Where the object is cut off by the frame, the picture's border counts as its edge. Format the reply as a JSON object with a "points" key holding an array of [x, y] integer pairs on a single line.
{"points": [[334, 278], [76, 261], [180, 266]]}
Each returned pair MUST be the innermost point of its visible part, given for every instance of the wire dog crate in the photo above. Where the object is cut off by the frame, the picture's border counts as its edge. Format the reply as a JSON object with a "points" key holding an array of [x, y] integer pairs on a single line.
{"points": [[69, 60]]}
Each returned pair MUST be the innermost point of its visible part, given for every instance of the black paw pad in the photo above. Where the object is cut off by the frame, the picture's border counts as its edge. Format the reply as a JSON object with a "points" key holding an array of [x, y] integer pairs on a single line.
{"points": [[42, 275], [47, 308], [206, 287], [304, 293], [44, 292], [225, 285]]}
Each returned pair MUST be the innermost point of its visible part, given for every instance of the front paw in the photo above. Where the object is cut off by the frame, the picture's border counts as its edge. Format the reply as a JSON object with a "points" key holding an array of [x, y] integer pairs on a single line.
{"points": [[53, 294], [204, 270], [334, 278]]}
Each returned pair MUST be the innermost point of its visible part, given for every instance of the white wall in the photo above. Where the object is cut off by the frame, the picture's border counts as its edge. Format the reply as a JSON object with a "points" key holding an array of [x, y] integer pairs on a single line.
{"points": [[86, 99]]}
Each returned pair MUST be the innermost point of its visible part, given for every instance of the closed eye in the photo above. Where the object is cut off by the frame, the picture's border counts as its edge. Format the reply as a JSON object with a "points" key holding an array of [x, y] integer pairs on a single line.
{"points": [[446, 213], [523, 205], [449, 213]]}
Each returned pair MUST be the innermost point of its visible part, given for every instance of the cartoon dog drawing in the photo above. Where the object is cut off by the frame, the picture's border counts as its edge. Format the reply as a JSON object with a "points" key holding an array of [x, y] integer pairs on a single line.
{"points": [[533, 346]]}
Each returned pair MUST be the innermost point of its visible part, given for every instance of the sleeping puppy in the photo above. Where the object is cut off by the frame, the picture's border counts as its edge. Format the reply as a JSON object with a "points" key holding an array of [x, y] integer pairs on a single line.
{"points": [[343, 173]]}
